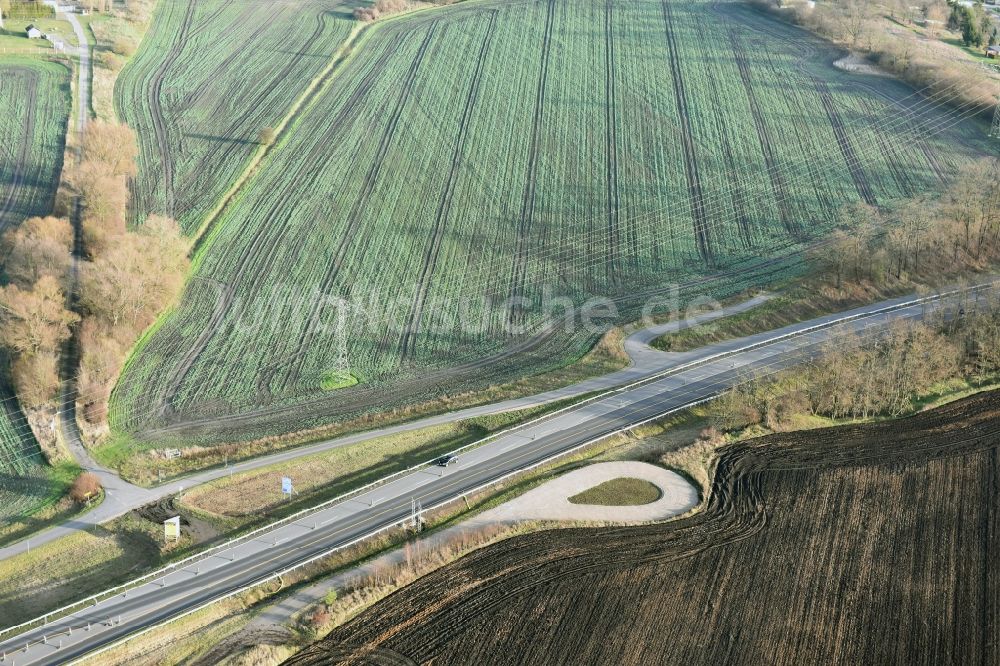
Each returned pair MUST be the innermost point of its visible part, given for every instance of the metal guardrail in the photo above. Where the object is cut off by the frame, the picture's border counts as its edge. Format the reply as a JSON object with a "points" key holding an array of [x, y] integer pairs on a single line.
{"points": [[527, 468], [94, 599]]}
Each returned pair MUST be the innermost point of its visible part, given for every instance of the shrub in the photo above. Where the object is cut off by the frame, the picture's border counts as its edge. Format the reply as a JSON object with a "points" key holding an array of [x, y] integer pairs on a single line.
{"points": [[40, 246], [266, 136], [86, 486], [110, 61], [383, 7], [36, 378], [320, 618], [28, 10], [123, 47]]}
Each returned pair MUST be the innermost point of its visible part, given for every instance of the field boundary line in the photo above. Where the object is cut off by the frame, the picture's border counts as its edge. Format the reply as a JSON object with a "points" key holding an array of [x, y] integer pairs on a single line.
{"points": [[206, 229], [204, 232], [100, 596], [143, 341], [345, 52]]}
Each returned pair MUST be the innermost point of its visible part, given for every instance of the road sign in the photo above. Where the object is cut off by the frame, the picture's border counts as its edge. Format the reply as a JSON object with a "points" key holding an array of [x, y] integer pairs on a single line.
{"points": [[172, 528], [286, 486]]}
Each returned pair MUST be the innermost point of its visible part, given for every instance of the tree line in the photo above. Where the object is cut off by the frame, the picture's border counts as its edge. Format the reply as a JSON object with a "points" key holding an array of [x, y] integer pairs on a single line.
{"points": [[868, 28], [129, 275], [883, 375], [975, 24], [923, 242], [126, 276]]}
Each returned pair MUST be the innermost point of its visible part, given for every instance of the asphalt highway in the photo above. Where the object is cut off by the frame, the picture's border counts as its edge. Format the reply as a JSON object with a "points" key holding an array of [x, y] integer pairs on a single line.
{"points": [[693, 378], [122, 496]]}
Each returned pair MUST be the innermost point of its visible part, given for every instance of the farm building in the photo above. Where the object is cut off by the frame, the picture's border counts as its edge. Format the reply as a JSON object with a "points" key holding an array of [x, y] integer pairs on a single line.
{"points": [[993, 52], [33, 32]]}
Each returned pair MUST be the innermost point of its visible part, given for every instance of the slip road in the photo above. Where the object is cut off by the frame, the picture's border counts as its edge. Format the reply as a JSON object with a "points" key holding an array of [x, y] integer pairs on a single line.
{"points": [[336, 526]]}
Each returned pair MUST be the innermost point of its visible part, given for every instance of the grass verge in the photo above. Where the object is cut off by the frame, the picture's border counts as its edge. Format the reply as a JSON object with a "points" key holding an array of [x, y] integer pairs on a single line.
{"points": [[139, 463], [74, 567], [800, 301], [127, 547], [619, 492], [57, 507], [325, 475]]}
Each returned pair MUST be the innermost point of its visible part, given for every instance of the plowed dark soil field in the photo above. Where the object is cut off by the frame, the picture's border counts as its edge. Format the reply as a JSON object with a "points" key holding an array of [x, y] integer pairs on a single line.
{"points": [[861, 544]]}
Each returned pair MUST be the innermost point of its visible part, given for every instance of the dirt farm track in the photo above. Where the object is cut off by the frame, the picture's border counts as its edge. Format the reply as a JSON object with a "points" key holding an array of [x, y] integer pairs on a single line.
{"points": [[860, 544]]}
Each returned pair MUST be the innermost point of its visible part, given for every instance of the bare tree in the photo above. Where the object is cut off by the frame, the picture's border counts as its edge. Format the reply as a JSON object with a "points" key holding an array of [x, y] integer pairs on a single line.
{"points": [[34, 320], [854, 19], [36, 378], [39, 246], [111, 144]]}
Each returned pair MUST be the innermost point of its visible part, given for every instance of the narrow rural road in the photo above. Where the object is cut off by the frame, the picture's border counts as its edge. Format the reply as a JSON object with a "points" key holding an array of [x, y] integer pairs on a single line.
{"points": [[263, 555], [83, 71], [121, 496]]}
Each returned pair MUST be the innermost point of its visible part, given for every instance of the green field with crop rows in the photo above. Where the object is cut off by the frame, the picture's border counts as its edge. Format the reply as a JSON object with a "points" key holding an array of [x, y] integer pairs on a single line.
{"points": [[26, 480], [209, 75], [34, 108], [34, 111], [466, 164]]}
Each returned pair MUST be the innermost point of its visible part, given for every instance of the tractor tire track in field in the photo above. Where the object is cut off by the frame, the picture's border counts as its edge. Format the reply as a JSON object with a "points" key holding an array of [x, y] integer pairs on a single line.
{"points": [[407, 346], [702, 237], [307, 174], [27, 132], [222, 305], [407, 388], [153, 97], [613, 266], [773, 166], [357, 210], [916, 122], [433, 618], [737, 195], [263, 89], [303, 171], [260, 249], [249, 44], [854, 164], [520, 268], [792, 98], [234, 149], [884, 143], [806, 50], [205, 21]]}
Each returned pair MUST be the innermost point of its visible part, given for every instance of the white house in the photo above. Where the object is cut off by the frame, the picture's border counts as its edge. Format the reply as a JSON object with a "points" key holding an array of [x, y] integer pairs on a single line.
{"points": [[33, 32]]}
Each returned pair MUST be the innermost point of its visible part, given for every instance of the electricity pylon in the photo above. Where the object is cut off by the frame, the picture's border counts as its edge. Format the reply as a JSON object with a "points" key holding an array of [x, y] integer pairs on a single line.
{"points": [[415, 511], [342, 364]]}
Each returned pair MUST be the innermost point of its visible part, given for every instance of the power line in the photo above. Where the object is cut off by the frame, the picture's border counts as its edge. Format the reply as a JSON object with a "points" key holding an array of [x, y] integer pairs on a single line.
{"points": [[926, 106], [861, 154], [995, 128]]}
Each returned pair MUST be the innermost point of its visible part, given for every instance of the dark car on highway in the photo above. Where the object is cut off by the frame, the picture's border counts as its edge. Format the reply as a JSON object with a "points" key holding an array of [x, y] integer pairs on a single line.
{"points": [[444, 461]]}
